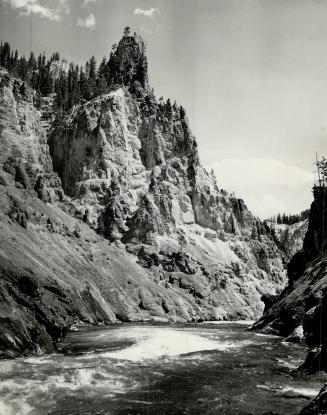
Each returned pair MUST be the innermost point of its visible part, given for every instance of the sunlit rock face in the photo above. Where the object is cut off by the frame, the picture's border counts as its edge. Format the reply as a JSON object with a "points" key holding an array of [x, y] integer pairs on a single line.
{"points": [[23, 140], [131, 163], [97, 154], [115, 219], [289, 237]]}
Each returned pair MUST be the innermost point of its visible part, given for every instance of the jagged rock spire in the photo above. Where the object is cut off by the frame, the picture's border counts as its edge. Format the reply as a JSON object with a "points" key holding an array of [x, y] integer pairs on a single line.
{"points": [[128, 62]]}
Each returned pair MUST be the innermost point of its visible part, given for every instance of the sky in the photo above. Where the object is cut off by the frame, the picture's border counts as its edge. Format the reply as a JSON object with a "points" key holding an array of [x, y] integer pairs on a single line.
{"points": [[252, 75]]}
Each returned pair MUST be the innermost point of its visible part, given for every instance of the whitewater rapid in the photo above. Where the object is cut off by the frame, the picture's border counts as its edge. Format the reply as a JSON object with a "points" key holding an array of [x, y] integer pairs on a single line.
{"points": [[170, 369]]}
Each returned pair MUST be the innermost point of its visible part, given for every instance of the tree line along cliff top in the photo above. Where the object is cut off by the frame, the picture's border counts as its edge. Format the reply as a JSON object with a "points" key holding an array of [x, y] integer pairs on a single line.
{"points": [[73, 84]]}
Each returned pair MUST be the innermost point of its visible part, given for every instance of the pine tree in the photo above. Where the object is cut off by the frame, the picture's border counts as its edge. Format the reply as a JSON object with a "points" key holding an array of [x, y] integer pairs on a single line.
{"points": [[62, 98], [102, 86], [15, 62], [32, 62], [22, 68], [168, 109], [22, 89], [55, 57], [103, 71], [182, 112], [5, 55], [181, 241], [92, 68], [84, 86], [127, 31], [73, 86]]}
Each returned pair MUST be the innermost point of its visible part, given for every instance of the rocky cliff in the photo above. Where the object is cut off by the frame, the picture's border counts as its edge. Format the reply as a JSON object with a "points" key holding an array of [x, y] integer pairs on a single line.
{"points": [[131, 165], [289, 238], [301, 302], [299, 312], [107, 215]]}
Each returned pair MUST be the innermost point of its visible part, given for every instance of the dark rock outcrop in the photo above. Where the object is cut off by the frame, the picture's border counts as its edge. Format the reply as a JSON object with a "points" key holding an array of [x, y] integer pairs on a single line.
{"points": [[299, 312], [303, 302], [318, 406]]}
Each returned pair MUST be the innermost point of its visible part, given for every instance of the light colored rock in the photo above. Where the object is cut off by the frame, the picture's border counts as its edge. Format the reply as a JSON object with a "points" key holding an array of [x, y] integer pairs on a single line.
{"points": [[296, 336], [134, 217], [290, 237]]}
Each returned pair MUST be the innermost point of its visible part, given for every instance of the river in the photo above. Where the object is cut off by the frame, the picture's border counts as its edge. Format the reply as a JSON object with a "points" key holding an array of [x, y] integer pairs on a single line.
{"points": [[148, 369]]}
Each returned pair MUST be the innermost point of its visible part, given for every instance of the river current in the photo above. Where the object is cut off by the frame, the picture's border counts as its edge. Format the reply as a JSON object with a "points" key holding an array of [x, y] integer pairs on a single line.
{"points": [[158, 370]]}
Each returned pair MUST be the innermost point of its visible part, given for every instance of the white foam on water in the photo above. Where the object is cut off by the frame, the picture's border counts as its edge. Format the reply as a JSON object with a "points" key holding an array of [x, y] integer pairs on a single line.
{"points": [[264, 387], [301, 391], [290, 364], [7, 366], [242, 322], [17, 394], [92, 378], [266, 335], [15, 408], [291, 345], [166, 342], [11, 384], [297, 390], [34, 360]]}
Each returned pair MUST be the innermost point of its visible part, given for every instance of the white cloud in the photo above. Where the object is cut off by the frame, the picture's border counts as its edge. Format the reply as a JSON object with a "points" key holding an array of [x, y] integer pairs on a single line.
{"points": [[151, 12], [88, 3], [267, 205], [88, 22], [38, 7], [267, 186], [236, 172]]}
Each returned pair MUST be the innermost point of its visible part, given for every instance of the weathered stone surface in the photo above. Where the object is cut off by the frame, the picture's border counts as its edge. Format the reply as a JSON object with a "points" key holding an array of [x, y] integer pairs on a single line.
{"points": [[300, 311], [142, 184], [24, 149], [290, 237], [302, 303], [109, 216]]}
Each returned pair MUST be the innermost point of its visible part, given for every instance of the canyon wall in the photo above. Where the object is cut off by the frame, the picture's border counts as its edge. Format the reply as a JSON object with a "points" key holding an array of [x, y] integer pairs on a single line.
{"points": [[107, 215]]}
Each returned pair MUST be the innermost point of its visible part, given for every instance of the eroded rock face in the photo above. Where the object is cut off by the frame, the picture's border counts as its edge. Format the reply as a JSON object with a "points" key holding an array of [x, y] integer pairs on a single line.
{"points": [[289, 237], [303, 302], [97, 153], [24, 150], [109, 216], [24, 156], [131, 164]]}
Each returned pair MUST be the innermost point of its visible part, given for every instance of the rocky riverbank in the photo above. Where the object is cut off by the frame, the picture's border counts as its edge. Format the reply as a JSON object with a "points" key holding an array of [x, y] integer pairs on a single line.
{"points": [[299, 312]]}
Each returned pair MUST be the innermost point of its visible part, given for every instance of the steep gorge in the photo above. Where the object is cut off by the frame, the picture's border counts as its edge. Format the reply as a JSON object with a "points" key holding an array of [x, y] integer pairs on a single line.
{"points": [[107, 215], [299, 312]]}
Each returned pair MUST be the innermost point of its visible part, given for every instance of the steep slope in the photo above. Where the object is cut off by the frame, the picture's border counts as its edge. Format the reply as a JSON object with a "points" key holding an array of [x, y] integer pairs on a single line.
{"points": [[302, 303], [107, 215], [300, 311], [289, 238], [131, 165]]}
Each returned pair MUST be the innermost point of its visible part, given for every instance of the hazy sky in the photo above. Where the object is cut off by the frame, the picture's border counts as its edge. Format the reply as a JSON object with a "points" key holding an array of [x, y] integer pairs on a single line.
{"points": [[252, 76]]}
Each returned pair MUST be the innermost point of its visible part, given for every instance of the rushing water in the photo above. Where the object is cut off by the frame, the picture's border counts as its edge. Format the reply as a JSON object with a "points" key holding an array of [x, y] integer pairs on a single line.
{"points": [[156, 369]]}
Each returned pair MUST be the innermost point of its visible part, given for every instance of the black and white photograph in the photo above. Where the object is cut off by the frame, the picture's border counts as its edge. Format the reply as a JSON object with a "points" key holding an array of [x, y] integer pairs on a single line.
{"points": [[163, 207]]}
